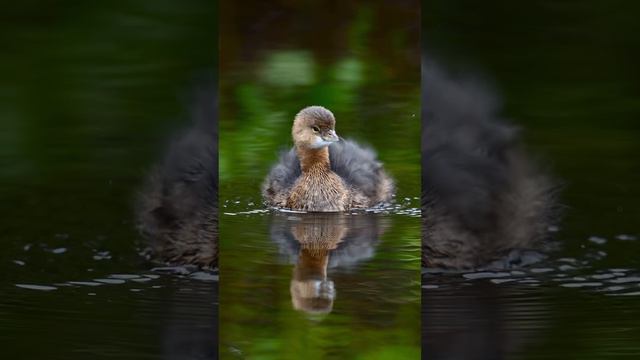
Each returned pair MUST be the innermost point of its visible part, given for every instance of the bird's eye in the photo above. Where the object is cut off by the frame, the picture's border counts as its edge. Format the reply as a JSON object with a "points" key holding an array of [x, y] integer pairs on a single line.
{"points": [[315, 129]]}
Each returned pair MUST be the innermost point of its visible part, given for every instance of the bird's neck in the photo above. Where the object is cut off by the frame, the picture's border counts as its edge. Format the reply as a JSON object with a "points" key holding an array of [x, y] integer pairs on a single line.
{"points": [[312, 264], [314, 160]]}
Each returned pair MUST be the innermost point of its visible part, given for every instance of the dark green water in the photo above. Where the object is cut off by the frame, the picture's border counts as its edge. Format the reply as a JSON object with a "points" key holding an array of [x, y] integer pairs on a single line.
{"points": [[363, 64], [567, 74], [90, 94]]}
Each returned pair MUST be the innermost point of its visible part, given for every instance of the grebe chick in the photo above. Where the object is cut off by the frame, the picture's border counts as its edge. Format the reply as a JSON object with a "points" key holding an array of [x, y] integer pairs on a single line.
{"points": [[323, 173], [485, 202], [177, 210]]}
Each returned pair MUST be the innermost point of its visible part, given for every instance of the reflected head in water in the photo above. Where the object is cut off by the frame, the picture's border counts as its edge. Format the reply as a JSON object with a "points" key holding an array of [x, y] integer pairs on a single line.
{"points": [[483, 198], [177, 209], [317, 242], [323, 173]]}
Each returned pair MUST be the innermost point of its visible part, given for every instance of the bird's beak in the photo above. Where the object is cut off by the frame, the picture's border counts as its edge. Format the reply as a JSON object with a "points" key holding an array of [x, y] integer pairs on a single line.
{"points": [[330, 136]]}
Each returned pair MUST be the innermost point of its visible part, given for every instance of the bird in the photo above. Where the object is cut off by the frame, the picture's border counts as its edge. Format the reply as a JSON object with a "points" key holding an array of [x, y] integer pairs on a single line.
{"points": [[324, 173], [177, 208], [485, 202]]}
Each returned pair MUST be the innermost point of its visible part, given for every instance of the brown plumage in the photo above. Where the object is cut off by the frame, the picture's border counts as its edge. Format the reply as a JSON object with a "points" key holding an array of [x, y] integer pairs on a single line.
{"points": [[322, 173]]}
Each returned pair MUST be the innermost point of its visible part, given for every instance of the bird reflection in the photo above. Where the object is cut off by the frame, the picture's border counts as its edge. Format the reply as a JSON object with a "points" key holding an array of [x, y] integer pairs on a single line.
{"points": [[316, 243]]}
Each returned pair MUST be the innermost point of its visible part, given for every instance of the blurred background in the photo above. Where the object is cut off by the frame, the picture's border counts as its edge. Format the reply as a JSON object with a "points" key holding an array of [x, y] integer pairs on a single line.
{"points": [[361, 60], [567, 75], [90, 96]]}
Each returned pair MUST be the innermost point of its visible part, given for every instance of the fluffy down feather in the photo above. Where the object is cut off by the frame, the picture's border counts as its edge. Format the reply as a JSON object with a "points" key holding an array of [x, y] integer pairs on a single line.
{"points": [[355, 165]]}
